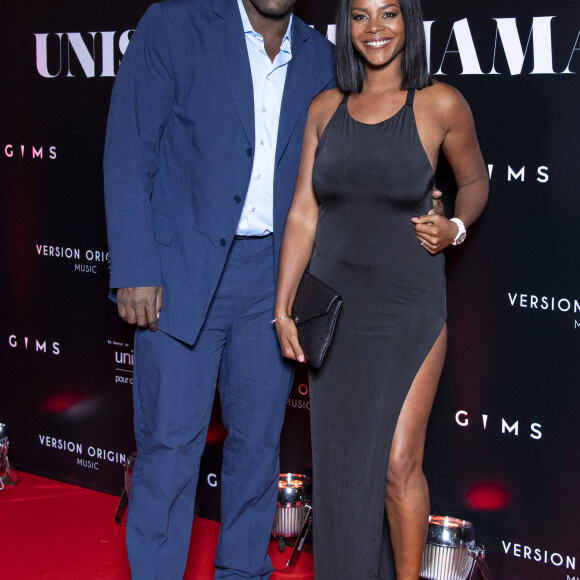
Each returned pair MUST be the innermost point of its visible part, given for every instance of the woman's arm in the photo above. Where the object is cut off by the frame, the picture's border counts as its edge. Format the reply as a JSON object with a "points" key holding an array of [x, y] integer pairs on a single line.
{"points": [[300, 229], [461, 148]]}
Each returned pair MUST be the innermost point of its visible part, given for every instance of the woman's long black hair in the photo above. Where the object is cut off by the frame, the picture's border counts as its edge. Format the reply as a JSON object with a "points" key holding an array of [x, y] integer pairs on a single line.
{"points": [[414, 66]]}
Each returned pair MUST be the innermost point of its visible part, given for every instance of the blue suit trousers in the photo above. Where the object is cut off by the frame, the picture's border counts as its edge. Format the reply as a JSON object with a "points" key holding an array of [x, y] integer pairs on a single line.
{"points": [[174, 387]]}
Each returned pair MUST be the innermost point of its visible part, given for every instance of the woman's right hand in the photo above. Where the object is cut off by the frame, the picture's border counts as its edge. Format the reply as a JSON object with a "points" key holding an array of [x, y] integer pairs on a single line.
{"points": [[288, 339], [300, 229]]}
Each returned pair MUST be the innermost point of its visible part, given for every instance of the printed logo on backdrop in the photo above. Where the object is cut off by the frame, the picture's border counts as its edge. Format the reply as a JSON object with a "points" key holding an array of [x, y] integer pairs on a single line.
{"points": [[86, 456], [518, 173], [76, 54], [89, 261], [212, 479], [98, 54], [504, 426], [302, 401], [34, 345], [547, 305], [517, 49], [122, 359], [541, 557], [34, 152]]}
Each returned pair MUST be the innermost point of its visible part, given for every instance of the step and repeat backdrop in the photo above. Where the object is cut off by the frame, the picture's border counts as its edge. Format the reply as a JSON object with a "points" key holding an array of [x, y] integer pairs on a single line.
{"points": [[503, 441]]}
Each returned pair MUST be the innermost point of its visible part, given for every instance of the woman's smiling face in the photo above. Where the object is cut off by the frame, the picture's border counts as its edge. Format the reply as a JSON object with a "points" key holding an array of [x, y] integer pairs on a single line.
{"points": [[377, 30]]}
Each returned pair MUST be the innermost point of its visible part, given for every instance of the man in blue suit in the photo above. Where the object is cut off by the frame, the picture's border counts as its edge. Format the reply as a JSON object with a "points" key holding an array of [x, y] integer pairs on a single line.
{"points": [[202, 149]]}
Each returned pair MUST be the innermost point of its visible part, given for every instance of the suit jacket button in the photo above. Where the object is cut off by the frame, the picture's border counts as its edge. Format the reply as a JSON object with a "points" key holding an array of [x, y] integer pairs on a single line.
{"points": [[223, 242], [237, 199], [249, 152]]}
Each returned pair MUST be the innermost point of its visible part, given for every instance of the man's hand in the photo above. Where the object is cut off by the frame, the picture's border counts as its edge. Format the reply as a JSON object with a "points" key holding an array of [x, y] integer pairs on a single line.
{"points": [[438, 208], [140, 306]]}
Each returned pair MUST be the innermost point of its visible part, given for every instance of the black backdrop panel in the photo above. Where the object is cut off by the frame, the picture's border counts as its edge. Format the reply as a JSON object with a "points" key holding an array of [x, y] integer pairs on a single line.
{"points": [[502, 448]]}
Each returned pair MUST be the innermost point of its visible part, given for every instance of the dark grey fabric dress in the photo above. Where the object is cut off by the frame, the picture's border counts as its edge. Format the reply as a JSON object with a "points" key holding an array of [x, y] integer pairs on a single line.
{"points": [[370, 181]]}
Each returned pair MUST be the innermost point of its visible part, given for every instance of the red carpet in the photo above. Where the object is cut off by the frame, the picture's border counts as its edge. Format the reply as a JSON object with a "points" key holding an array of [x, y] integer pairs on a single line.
{"points": [[56, 531]]}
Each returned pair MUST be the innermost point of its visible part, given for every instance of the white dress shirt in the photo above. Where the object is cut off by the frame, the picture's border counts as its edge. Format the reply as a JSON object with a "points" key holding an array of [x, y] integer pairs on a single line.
{"points": [[268, 80]]}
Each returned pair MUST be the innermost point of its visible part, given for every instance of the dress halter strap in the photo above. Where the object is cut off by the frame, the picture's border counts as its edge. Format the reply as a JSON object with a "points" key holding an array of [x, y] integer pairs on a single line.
{"points": [[410, 97], [344, 98]]}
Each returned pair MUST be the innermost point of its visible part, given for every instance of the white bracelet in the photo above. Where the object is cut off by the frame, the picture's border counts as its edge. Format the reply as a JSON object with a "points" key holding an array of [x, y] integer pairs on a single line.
{"points": [[279, 318], [461, 233]]}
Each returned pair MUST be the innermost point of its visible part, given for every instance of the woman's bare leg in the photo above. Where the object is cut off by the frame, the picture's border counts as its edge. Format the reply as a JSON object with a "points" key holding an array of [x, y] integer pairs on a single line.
{"points": [[407, 494]]}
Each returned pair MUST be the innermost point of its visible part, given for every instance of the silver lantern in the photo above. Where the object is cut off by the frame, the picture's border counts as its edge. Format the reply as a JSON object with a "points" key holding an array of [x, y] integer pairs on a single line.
{"points": [[450, 552], [293, 496]]}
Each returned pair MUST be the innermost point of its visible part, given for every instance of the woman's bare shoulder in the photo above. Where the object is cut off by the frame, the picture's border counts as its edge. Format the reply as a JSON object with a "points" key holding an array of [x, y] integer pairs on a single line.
{"points": [[442, 98], [323, 107], [327, 98], [325, 103], [444, 105]]}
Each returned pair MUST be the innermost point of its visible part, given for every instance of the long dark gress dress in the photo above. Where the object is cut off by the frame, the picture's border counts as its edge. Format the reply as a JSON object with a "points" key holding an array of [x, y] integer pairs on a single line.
{"points": [[370, 180]]}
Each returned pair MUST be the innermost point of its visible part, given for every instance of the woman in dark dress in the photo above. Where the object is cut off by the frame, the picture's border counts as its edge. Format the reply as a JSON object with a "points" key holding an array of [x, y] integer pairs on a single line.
{"points": [[359, 217]]}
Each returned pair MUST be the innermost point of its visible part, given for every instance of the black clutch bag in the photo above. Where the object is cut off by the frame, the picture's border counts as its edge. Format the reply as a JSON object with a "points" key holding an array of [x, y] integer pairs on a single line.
{"points": [[315, 311]]}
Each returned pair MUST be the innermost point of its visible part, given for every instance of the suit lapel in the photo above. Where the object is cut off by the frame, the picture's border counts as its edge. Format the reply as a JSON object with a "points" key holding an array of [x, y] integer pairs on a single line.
{"points": [[230, 44], [297, 86]]}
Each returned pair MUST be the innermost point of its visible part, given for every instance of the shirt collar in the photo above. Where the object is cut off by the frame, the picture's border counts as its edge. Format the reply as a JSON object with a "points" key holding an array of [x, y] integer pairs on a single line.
{"points": [[287, 40]]}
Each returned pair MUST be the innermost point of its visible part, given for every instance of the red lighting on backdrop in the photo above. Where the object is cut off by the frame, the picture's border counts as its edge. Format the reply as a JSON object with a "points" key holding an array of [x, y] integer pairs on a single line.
{"points": [[61, 402], [487, 496], [216, 433]]}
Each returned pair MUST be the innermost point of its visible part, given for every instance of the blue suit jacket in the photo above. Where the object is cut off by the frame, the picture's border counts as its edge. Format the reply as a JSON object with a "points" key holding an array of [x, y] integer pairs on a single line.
{"points": [[179, 150]]}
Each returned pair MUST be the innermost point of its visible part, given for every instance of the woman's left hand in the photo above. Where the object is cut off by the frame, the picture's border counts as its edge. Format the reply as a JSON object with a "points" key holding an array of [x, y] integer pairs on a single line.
{"points": [[434, 232]]}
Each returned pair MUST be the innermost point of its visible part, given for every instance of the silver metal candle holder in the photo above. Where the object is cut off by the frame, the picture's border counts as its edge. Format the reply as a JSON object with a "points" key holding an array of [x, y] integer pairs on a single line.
{"points": [[450, 551], [124, 499], [293, 513], [7, 475]]}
